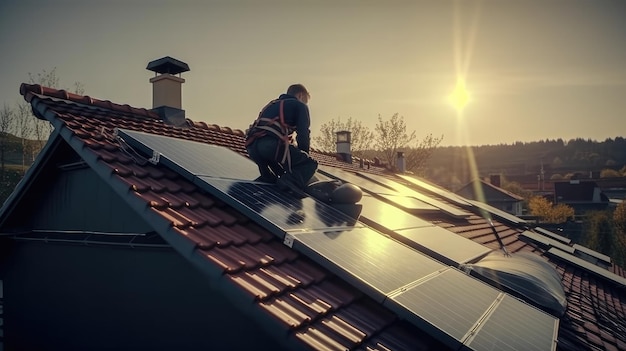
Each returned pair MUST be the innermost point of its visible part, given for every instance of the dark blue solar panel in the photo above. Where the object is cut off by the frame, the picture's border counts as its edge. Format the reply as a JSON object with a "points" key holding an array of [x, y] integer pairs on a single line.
{"points": [[443, 245], [193, 158], [379, 214], [286, 212], [448, 195], [368, 259], [349, 177], [473, 314], [512, 326], [407, 198]]}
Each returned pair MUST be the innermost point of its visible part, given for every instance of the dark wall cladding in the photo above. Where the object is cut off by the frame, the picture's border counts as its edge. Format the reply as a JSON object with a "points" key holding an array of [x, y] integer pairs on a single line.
{"points": [[102, 298]]}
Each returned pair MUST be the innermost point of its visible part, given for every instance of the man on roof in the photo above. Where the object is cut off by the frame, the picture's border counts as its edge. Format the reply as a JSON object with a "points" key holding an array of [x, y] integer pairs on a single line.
{"points": [[269, 141]]}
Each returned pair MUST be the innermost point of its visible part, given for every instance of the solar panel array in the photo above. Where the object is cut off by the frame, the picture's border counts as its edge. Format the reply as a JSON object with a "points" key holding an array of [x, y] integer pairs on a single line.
{"points": [[454, 307], [590, 267], [553, 240]]}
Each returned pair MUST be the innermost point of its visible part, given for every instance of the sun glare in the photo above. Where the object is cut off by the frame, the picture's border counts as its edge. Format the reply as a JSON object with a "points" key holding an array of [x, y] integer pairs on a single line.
{"points": [[460, 96]]}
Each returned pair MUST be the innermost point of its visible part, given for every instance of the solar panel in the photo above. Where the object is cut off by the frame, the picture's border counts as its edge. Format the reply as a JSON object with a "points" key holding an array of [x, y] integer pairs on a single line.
{"points": [[474, 315], [383, 268], [409, 203], [448, 195], [553, 235], [589, 267], [284, 211], [193, 158], [363, 256], [349, 177], [585, 251], [497, 212], [406, 191], [381, 215], [406, 197], [515, 326], [546, 241], [443, 245]]}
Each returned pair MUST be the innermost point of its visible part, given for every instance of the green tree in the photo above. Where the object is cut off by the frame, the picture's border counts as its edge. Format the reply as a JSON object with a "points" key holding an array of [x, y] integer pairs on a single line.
{"points": [[390, 137], [598, 231], [619, 225]]}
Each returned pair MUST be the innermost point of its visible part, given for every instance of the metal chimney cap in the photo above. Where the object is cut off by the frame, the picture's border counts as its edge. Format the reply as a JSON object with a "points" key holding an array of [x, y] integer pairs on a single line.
{"points": [[167, 65]]}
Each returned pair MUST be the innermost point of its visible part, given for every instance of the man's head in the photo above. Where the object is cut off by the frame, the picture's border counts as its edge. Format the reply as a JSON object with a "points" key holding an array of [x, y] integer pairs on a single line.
{"points": [[300, 92]]}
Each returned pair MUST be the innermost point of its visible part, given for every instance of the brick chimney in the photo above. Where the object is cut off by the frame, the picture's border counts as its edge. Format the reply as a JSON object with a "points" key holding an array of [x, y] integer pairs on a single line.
{"points": [[167, 89], [343, 146]]}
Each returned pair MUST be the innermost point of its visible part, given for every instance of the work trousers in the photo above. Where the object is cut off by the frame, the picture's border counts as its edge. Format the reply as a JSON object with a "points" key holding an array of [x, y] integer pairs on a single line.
{"points": [[266, 153]]}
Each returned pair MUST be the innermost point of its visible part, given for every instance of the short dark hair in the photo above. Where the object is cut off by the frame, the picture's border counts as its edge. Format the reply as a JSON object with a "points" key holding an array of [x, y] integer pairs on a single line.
{"points": [[297, 89]]}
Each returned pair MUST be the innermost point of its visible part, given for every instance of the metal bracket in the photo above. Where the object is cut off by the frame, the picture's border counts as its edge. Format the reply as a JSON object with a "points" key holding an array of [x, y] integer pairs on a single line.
{"points": [[289, 239]]}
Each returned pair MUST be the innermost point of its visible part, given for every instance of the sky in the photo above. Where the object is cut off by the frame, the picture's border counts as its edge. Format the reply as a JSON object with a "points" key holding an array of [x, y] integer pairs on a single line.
{"points": [[532, 69]]}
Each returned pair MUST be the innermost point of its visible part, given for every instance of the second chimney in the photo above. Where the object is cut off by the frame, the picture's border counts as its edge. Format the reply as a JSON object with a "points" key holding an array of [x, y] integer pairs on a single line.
{"points": [[343, 146], [401, 162], [167, 89]]}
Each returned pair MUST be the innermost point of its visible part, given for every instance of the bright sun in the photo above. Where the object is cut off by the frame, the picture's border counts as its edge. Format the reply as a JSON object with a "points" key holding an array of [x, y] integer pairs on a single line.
{"points": [[460, 96]]}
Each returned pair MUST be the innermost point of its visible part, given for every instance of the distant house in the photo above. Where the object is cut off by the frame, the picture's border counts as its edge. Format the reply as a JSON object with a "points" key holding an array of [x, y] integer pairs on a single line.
{"points": [[493, 195], [140, 229], [581, 195]]}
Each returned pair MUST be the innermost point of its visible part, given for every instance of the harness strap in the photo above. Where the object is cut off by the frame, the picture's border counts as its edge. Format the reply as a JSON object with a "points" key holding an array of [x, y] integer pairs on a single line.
{"points": [[275, 125]]}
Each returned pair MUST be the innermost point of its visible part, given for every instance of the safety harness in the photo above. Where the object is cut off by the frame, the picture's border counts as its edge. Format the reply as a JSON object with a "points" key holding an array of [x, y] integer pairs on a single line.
{"points": [[275, 125]]}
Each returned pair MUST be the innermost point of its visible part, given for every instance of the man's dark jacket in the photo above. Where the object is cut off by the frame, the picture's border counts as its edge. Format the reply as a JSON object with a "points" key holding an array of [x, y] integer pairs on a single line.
{"points": [[296, 115]]}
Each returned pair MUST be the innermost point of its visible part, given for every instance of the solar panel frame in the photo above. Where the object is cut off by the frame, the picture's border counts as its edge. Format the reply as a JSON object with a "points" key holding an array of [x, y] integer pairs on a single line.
{"points": [[443, 245], [595, 254], [498, 213], [546, 241], [553, 235]]}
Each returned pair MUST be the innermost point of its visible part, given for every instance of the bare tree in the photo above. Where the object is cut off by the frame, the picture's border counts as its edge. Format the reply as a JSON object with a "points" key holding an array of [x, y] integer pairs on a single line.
{"points": [[361, 136], [25, 127], [7, 123], [417, 156], [42, 129], [391, 137]]}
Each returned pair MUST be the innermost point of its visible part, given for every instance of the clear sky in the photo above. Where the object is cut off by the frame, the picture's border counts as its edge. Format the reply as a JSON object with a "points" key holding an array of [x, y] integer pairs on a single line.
{"points": [[533, 69]]}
